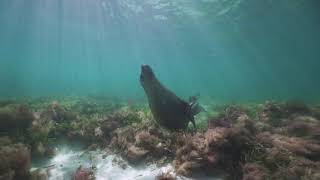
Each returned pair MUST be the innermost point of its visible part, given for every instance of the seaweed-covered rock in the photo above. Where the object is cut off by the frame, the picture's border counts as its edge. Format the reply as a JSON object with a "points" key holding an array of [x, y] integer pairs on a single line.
{"points": [[38, 135], [298, 169], [136, 154], [315, 111], [263, 126], [253, 171], [192, 155], [301, 147], [15, 161], [120, 118], [218, 148], [5, 140], [228, 117], [145, 139], [39, 174], [272, 113], [233, 116], [277, 113], [87, 107], [304, 126], [142, 142], [109, 125], [15, 118], [57, 113], [122, 138], [218, 122], [83, 174], [166, 176], [296, 108], [90, 106]]}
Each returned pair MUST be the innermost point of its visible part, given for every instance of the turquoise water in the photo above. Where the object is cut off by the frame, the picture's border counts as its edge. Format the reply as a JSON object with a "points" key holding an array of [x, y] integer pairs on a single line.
{"points": [[225, 50]]}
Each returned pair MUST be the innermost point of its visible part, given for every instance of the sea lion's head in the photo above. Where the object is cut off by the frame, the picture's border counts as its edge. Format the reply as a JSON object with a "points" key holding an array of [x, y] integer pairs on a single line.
{"points": [[147, 76]]}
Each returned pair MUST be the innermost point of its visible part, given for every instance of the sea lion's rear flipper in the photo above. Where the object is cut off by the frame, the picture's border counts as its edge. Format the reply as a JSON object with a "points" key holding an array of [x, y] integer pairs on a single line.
{"points": [[194, 99], [196, 108]]}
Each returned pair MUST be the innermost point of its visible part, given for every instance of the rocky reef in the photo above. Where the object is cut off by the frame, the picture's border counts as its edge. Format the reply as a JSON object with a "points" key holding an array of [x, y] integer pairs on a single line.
{"points": [[15, 118], [15, 160], [248, 141]]}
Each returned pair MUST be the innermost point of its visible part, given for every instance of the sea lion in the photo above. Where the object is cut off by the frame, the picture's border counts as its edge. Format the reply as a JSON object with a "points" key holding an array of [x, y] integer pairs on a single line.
{"points": [[168, 109]]}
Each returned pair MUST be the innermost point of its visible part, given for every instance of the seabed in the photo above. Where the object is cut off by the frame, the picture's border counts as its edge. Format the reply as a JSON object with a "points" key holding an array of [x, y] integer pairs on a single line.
{"points": [[82, 138]]}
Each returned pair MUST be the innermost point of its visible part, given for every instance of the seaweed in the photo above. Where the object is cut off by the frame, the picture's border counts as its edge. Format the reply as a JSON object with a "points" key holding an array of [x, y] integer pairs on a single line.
{"points": [[250, 141]]}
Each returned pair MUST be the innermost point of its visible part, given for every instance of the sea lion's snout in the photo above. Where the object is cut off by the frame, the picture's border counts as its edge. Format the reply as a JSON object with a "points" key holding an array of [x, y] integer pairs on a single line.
{"points": [[146, 73], [146, 69]]}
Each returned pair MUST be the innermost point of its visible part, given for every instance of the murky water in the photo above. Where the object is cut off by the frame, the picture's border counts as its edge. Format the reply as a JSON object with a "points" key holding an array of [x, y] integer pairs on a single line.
{"points": [[235, 50]]}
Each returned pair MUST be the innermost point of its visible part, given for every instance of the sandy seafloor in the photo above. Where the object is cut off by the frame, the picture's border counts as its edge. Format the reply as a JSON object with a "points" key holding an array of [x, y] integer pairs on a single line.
{"points": [[69, 157]]}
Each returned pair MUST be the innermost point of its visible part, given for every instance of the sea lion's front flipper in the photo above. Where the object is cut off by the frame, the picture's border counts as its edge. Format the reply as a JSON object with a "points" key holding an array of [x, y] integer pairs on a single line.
{"points": [[193, 123]]}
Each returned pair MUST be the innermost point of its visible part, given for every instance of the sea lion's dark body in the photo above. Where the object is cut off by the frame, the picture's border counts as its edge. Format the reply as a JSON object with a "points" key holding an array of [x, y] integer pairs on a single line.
{"points": [[168, 110]]}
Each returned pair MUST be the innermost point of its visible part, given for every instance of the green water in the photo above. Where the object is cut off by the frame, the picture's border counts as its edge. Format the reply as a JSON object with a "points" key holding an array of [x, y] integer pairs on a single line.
{"points": [[225, 50]]}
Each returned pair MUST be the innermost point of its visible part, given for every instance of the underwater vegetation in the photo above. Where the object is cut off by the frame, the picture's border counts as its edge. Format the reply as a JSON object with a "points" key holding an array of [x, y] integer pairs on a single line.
{"points": [[15, 160], [250, 142], [15, 118]]}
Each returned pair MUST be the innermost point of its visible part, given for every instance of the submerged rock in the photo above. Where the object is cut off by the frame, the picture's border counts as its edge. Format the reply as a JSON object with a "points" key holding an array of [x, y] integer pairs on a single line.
{"points": [[218, 148], [298, 169], [301, 147], [110, 124], [277, 113], [57, 112], [39, 174], [136, 154], [83, 174], [253, 171], [138, 143], [146, 140], [5, 140], [15, 161], [304, 126], [166, 176], [120, 118], [93, 147], [15, 118], [122, 138]]}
